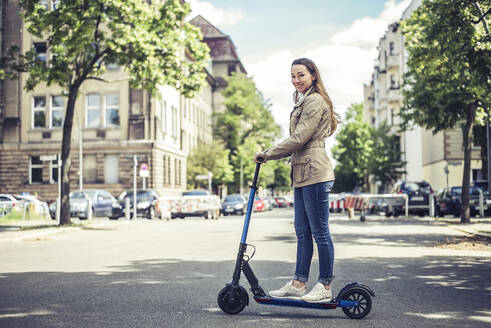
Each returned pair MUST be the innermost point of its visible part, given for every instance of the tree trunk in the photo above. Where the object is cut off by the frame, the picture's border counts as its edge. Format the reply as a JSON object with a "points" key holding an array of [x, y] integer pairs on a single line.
{"points": [[66, 159], [467, 139]]}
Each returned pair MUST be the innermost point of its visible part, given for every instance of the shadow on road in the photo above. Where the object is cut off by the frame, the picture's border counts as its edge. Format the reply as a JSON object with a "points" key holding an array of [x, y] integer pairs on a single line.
{"points": [[427, 291]]}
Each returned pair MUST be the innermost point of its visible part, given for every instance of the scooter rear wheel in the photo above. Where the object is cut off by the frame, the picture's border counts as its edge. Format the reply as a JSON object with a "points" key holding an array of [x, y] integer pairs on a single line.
{"points": [[235, 304], [364, 303]]}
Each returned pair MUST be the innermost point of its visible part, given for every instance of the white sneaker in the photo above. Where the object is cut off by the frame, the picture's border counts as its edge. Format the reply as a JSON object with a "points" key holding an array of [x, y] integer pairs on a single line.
{"points": [[289, 291], [318, 294]]}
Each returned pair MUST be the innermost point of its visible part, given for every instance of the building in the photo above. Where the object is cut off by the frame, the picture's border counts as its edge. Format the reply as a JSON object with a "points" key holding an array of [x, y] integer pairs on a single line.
{"points": [[113, 123], [438, 158], [225, 60]]}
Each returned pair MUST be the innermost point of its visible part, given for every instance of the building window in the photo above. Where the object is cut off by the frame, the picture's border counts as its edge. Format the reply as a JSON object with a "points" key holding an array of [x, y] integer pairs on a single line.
{"points": [[393, 82], [57, 111], [35, 170], [163, 115], [93, 111], [111, 169], [174, 121], [176, 172], [168, 169], [53, 171], [111, 110], [44, 3], [164, 181], [391, 48], [41, 50], [231, 69], [55, 4], [39, 112], [90, 168]]}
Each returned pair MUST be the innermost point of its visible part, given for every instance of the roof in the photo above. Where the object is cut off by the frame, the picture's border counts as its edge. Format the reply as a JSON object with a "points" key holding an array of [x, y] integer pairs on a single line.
{"points": [[221, 46]]}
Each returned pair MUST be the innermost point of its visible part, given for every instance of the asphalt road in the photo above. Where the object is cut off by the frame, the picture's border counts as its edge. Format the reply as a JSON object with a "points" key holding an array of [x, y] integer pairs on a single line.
{"points": [[167, 274]]}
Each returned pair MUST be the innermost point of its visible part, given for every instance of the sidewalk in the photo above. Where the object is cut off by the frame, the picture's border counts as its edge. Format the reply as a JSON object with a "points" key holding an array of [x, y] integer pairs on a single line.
{"points": [[29, 229]]}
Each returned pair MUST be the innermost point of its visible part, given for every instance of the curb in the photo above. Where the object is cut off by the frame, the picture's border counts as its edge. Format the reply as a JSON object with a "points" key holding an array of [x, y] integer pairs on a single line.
{"points": [[50, 230]]}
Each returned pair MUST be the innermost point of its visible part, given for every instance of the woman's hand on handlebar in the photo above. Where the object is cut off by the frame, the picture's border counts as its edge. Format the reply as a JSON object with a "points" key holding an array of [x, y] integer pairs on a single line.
{"points": [[259, 158]]}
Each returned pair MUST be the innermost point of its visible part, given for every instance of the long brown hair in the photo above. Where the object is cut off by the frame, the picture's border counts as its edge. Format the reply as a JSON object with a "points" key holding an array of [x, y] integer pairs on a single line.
{"points": [[319, 88]]}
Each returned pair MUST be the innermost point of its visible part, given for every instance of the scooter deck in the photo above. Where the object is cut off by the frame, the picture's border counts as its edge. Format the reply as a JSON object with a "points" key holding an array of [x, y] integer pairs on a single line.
{"points": [[268, 300]]}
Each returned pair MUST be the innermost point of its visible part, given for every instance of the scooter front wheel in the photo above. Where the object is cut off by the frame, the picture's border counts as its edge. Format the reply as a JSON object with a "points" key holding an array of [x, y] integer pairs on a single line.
{"points": [[364, 303], [233, 300]]}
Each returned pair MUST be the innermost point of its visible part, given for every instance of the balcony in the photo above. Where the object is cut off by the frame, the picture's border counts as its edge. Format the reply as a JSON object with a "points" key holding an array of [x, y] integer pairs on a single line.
{"points": [[394, 94], [393, 61]]}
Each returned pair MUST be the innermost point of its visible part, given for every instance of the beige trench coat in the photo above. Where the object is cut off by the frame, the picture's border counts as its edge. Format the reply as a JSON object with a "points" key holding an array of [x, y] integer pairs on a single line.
{"points": [[309, 128]]}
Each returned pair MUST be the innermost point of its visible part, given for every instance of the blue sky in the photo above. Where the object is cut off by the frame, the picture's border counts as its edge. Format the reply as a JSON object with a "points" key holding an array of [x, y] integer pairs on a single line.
{"points": [[340, 36], [271, 25]]}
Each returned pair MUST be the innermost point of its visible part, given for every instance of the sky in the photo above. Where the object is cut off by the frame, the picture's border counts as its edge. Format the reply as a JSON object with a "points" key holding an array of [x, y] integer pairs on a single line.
{"points": [[341, 37]]}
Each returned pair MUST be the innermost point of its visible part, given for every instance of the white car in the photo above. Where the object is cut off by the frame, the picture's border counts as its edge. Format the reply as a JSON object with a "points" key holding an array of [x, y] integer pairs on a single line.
{"points": [[9, 203]]}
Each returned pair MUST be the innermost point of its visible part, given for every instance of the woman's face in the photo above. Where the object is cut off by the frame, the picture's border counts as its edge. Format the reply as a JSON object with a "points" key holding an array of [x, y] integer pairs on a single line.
{"points": [[301, 78]]}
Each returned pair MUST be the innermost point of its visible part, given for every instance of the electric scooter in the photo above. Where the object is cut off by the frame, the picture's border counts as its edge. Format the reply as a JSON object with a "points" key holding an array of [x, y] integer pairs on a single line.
{"points": [[354, 299]]}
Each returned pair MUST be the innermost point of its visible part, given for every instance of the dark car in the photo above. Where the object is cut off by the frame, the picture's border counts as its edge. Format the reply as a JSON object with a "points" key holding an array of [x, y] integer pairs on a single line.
{"points": [[145, 202], [449, 201], [102, 203], [419, 194], [234, 204]]}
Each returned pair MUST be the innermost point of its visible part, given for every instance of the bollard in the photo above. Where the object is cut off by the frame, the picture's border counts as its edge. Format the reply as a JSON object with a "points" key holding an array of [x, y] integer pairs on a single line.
{"points": [[25, 211], [89, 209], [407, 204], [481, 204], [127, 208], [431, 198]]}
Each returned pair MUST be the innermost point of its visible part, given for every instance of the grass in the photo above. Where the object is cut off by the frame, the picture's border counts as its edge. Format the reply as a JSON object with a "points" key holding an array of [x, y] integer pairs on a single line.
{"points": [[15, 215]]}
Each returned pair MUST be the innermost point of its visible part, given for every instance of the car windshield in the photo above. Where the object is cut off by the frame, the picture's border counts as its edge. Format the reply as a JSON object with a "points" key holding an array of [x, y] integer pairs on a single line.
{"points": [[77, 195], [195, 193], [232, 199], [411, 186], [140, 194], [91, 194], [457, 191]]}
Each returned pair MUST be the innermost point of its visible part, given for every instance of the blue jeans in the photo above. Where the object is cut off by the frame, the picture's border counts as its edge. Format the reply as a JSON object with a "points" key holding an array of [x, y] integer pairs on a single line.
{"points": [[312, 218]]}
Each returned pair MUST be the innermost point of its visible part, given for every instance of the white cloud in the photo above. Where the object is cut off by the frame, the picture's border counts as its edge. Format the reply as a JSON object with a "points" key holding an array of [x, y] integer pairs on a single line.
{"points": [[217, 16], [345, 61]]}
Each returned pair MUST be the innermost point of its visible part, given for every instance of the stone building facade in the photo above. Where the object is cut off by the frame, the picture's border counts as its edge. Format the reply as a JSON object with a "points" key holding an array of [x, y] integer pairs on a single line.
{"points": [[112, 124]]}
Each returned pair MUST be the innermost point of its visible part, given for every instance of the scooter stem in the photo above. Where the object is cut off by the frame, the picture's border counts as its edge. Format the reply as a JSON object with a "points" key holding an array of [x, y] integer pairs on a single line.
{"points": [[250, 204]]}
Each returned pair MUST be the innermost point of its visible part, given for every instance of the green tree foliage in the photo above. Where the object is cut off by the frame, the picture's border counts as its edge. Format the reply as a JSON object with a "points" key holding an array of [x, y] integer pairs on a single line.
{"points": [[209, 158], [245, 127], [353, 150], [362, 152], [147, 39], [386, 164], [449, 66]]}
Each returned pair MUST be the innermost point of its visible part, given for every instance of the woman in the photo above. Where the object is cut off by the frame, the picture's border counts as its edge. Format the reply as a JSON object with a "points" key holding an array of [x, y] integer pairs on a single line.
{"points": [[311, 122]]}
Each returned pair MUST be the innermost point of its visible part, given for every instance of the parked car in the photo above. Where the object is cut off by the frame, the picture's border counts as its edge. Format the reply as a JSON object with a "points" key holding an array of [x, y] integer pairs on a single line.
{"points": [[38, 206], [290, 200], [281, 202], [103, 204], [258, 204], [418, 193], [8, 203], [449, 201], [145, 202], [234, 204], [268, 203]]}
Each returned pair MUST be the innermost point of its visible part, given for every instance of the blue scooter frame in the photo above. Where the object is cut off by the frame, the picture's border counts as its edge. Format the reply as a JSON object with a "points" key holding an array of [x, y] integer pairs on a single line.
{"points": [[354, 299]]}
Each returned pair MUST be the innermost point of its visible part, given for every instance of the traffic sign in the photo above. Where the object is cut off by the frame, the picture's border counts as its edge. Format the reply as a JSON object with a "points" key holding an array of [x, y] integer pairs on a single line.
{"points": [[144, 172]]}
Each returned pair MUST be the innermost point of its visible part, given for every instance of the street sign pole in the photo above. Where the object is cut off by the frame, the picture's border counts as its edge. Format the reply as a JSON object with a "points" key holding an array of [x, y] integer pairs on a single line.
{"points": [[135, 164]]}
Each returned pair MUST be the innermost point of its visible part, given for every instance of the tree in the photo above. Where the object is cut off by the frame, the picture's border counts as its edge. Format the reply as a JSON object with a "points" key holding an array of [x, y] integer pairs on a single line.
{"points": [[353, 150], [449, 66], [386, 164], [209, 158], [245, 127], [148, 39]]}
